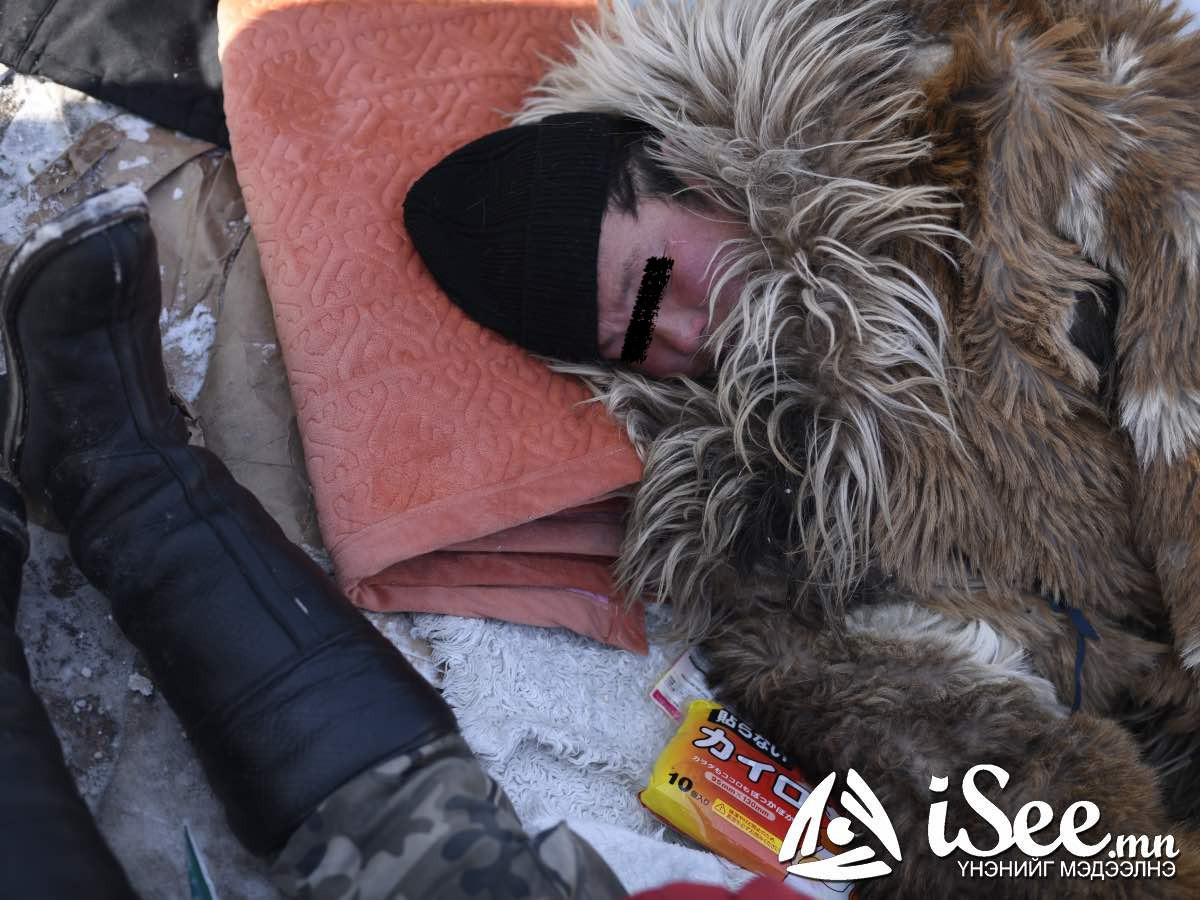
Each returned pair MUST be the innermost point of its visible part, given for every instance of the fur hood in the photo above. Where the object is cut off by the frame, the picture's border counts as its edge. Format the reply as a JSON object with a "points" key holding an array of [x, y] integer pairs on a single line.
{"points": [[795, 117], [908, 392], [961, 380]]}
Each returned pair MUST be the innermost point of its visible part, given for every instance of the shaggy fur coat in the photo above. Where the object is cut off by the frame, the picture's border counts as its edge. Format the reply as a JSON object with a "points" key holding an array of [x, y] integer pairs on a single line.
{"points": [[960, 396]]}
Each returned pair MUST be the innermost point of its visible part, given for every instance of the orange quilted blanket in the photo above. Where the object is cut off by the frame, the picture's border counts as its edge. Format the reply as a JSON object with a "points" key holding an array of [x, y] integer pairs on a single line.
{"points": [[422, 431]]}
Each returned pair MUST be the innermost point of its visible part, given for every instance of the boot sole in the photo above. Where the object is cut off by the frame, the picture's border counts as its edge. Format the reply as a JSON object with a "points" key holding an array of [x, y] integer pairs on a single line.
{"points": [[94, 215]]}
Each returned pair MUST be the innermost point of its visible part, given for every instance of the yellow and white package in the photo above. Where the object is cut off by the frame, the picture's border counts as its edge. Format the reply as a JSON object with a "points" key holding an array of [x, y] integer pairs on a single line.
{"points": [[731, 790]]}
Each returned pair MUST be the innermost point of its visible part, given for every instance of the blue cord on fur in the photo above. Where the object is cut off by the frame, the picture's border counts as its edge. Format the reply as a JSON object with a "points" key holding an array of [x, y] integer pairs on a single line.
{"points": [[1083, 631]]}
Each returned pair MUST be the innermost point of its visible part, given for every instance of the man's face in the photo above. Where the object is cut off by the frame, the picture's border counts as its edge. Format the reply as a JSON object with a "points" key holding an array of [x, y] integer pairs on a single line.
{"points": [[692, 240]]}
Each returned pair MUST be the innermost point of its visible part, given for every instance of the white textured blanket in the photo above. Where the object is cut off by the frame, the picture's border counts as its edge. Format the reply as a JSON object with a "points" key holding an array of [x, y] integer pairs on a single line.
{"points": [[567, 728]]}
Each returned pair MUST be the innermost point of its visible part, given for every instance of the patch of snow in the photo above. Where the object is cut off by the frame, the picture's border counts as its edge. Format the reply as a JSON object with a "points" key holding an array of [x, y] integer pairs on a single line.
{"points": [[187, 345], [177, 194], [135, 127], [37, 134], [135, 163], [141, 684], [266, 348], [39, 120]]}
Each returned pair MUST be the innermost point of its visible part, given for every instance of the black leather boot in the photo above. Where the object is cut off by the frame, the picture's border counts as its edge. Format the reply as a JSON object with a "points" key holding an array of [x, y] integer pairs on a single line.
{"points": [[50, 847], [285, 690]]}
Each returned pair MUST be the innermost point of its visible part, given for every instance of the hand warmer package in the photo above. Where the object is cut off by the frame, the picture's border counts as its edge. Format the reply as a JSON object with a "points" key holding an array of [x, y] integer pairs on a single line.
{"points": [[731, 790]]}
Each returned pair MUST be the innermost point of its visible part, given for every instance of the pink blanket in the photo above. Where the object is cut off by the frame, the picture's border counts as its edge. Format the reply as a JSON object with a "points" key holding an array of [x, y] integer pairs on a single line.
{"points": [[422, 431]]}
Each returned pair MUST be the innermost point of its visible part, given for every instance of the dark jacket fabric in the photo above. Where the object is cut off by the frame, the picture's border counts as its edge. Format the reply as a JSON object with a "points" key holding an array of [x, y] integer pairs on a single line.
{"points": [[157, 59]]}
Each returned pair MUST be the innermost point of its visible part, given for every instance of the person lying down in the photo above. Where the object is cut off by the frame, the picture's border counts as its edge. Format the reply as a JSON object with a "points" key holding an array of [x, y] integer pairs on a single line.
{"points": [[543, 233], [918, 414]]}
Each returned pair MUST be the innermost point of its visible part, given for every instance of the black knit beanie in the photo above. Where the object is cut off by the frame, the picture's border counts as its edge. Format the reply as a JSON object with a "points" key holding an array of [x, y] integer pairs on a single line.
{"points": [[509, 225]]}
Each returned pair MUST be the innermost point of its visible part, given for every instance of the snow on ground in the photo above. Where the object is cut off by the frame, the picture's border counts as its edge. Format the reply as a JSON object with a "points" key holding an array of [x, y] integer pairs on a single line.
{"points": [[192, 336], [122, 743], [37, 123]]}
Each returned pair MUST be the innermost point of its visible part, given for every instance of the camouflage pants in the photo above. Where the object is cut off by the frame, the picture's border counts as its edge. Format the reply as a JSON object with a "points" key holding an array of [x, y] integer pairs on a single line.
{"points": [[431, 824]]}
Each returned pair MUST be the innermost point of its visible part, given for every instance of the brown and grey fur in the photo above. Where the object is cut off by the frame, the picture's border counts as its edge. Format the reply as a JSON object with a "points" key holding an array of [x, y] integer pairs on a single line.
{"points": [[915, 433]]}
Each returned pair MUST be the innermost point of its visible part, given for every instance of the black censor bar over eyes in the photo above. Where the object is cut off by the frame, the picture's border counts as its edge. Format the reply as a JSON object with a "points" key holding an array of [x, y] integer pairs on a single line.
{"points": [[641, 323]]}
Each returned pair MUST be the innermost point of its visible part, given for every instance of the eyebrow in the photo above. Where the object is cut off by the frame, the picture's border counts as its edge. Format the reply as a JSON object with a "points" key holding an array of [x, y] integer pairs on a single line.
{"points": [[641, 323]]}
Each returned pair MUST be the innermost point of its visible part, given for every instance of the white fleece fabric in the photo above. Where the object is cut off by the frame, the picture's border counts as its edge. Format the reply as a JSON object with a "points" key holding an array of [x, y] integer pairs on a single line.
{"points": [[566, 726]]}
